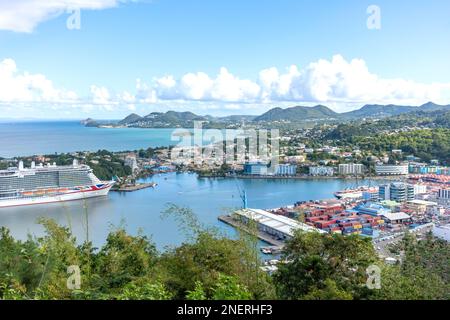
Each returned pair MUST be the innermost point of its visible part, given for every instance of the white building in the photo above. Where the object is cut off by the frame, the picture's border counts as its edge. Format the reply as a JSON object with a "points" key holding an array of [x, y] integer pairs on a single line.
{"points": [[275, 225], [286, 170], [391, 170], [420, 189], [351, 169], [130, 160], [321, 171]]}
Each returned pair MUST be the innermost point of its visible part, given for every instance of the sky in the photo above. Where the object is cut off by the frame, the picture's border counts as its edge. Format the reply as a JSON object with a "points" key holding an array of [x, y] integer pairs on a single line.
{"points": [[107, 58]]}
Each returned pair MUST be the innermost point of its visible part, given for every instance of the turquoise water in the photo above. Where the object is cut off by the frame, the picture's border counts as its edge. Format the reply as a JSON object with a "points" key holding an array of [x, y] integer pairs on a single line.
{"points": [[37, 138], [141, 210], [29, 138]]}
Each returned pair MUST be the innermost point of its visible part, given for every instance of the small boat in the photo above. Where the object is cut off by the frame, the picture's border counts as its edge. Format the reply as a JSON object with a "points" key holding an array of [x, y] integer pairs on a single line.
{"points": [[355, 193]]}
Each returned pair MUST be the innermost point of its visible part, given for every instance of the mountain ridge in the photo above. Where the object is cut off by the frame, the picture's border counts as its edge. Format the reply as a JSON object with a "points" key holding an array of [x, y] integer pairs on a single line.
{"points": [[291, 114]]}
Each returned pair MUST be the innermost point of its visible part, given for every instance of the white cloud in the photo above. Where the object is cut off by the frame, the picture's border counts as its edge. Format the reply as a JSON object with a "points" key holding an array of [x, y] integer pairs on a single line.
{"points": [[344, 81], [26, 87], [100, 95], [338, 83], [201, 87], [25, 15]]}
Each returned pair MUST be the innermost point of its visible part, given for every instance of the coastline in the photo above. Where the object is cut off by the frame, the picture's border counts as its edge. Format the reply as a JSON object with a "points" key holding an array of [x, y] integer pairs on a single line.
{"points": [[307, 178]]}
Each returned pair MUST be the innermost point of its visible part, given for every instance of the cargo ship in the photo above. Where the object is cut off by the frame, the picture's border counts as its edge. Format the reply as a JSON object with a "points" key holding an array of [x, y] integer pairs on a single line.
{"points": [[21, 186], [357, 193]]}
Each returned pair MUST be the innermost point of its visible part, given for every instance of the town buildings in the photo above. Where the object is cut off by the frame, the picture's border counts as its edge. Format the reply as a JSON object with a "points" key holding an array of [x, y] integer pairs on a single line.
{"points": [[286, 170], [351, 169], [428, 169], [263, 169], [391, 170], [321, 171]]}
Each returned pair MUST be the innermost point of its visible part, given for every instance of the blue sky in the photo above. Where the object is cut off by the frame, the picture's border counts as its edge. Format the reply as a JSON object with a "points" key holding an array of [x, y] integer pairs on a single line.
{"points": [[207, 56]]}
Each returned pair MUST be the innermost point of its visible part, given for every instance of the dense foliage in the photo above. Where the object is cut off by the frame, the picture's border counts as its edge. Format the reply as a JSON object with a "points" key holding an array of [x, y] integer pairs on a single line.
{"points": [[107, 169], [378, 137], [210, 266]]}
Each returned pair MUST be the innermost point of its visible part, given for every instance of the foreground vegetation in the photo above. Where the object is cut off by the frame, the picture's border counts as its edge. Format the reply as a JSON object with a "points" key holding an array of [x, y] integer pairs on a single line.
{"points": [[211, 266]]}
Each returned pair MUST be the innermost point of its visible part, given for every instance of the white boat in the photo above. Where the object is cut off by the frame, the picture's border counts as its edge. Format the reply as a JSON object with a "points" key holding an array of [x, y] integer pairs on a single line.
{"points": [[357, 193]]}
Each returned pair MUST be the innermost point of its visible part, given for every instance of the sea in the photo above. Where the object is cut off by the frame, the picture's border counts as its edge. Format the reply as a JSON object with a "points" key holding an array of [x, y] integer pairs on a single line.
{"points": [[24, 138]]}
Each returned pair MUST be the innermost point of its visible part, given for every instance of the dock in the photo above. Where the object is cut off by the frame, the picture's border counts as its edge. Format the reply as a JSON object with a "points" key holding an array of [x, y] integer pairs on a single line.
{"points": [[261, 235], [135, 187]]}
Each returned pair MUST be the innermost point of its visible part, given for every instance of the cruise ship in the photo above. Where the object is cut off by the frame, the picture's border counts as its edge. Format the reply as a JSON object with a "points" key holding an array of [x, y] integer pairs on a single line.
{"points": [[21, 186]]}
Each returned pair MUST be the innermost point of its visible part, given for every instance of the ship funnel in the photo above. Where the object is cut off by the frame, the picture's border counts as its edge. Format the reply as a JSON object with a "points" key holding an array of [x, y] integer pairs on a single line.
{"points": [[21, 165], [33, 164]]}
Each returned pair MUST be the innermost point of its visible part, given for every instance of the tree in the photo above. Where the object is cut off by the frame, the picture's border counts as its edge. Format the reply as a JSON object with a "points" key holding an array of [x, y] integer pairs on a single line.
{"points": [[320, 264]]}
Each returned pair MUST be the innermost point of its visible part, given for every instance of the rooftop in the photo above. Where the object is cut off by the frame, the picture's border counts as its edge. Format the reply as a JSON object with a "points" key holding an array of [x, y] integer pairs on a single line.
{"points": [[396, 216], [277, 222], [423, 202]]}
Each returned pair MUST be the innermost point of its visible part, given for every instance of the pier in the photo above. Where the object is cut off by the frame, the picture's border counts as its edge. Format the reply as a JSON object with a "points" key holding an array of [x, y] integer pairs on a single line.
{"points": [[136, 187], [261, 235]]}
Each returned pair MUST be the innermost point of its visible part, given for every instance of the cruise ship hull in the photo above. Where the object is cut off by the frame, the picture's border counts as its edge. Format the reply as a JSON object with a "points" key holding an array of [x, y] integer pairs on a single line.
{"points": [[70, 195]]}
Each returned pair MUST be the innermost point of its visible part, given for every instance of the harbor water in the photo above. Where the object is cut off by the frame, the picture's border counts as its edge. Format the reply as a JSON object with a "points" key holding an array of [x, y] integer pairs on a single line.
{"points": [[140, 211]]}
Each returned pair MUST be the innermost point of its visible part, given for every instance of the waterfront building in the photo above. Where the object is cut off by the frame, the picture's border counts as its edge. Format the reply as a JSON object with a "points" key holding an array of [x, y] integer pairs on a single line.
{"points": [[255, 168], [277, 226], [286, 170], [321, 171], [351, 169], [391, 170], [428, 169], [263, 169], [397, 191]]}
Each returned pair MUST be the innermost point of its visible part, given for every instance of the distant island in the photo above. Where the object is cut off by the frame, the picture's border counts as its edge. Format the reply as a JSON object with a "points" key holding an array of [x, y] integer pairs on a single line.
{"points": [[277, 117]]}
